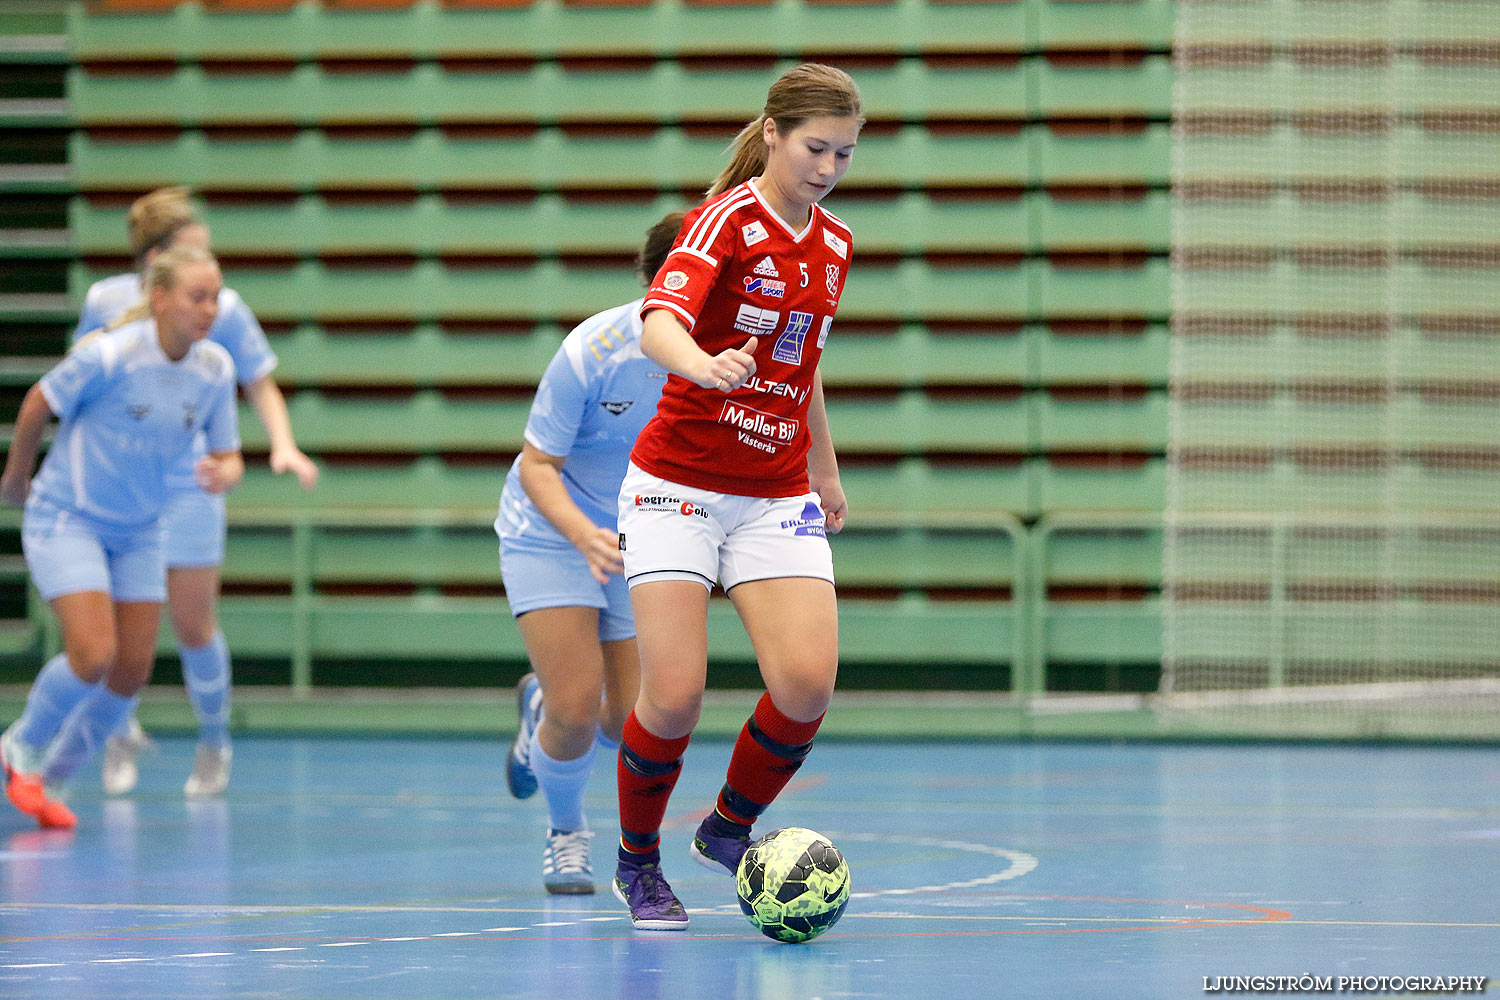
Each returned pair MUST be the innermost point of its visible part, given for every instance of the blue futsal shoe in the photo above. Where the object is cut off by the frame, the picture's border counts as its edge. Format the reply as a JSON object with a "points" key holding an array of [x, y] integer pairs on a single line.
{"points": [[518, 773]]}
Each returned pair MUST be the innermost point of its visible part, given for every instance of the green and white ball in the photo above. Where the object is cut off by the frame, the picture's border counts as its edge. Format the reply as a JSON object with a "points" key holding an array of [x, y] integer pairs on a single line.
{"points": [[793, 884]]}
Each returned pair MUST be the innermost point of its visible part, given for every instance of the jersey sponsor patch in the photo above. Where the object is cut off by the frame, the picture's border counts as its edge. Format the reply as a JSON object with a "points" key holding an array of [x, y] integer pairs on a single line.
{"points": [[823, 333], [756, 321], [763, 427], [837, 244], [768, 287], [674, 281], [788, 347], [767, 268], [754, 233]]}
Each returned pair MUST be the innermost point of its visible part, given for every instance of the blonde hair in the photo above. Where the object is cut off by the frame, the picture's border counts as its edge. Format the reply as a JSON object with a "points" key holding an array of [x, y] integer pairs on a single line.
{"points": [[811, 90], [162, 273], [157, 217]]}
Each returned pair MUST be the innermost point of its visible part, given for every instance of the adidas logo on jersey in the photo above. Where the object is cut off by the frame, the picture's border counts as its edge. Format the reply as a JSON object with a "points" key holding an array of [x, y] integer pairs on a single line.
{"points": [[767, 268]]}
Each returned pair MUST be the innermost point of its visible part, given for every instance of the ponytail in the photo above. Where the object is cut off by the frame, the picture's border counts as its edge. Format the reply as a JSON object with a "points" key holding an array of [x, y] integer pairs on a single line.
{"points": [[747, 158]]}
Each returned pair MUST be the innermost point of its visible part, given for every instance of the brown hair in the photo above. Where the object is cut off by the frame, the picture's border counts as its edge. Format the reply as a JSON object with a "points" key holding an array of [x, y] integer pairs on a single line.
{"points": [[162, 273], [660, 239], [811, 90], [157, 217]]}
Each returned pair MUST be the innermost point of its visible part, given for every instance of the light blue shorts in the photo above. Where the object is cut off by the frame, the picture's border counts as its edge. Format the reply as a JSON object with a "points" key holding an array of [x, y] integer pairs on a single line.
{"points": [[539, 577], [68, 553], [194, 521]]}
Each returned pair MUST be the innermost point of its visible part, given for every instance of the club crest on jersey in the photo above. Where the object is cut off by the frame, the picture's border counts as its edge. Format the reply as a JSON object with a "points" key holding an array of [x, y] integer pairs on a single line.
{"points": [[755, 321], [767, 268], [617, 407], [836, 244], [754, 233], [809, 522], [189, 413], [675, 281], [138, 410], [832, 279], [768, 287]]}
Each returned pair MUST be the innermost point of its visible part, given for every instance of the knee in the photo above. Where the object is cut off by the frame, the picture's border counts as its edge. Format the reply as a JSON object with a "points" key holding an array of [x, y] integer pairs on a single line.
{"points": [[193, 631], [92, 657], [575, 718]]}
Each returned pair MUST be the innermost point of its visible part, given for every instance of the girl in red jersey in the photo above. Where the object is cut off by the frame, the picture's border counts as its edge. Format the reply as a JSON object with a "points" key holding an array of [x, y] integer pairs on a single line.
{"points": [[735, 479]]}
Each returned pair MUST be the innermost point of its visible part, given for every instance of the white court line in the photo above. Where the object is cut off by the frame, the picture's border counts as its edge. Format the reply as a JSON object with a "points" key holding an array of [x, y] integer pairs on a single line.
{"points": [[457, 934], [119, 961], [501, 930], [279, 949], [35, 965], [207, 954], [344, 944], [402, 939]]}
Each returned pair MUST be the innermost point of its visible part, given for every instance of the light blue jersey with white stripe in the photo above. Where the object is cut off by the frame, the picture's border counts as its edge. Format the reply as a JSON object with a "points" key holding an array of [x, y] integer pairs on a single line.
{"points": [[129, 415], [235, 328], [598, 392]]}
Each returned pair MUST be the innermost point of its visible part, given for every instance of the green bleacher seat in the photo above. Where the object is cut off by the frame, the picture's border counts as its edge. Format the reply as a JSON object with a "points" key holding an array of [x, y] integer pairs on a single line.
{"points": [[426, 356], [1128, 482], [549, 29], [1126, 155], [1129, 222], [916, 356], [1124, 86], [1139, 291], [667, 159], [1102, 632], [914, 423], [1125, 357], [928, 491], [916, 222], [542, 93], [1133, 423], [1111, 24], [924, 557], [424, 422], [914, 289], [401, 483]]}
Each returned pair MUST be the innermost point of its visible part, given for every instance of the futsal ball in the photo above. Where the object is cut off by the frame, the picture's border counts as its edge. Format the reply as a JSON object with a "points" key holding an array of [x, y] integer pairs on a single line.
{"points": [[793, 884]]}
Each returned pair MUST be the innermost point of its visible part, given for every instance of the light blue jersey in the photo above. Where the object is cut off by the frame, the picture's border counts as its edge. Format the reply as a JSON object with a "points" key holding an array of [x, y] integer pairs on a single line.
{"points": [[235, 328], [128, 416], [597, 394]]}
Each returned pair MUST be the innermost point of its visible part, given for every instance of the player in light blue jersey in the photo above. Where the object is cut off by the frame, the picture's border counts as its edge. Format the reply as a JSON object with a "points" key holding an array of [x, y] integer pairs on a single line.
{"points": [[195, 520], [560, 561], [132, 402]]}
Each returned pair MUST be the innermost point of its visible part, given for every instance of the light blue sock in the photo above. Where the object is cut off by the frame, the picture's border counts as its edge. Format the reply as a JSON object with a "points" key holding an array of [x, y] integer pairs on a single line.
{"points": [[602, 740], [564, 783], [85, 731], [56, 691], [206, 672]]}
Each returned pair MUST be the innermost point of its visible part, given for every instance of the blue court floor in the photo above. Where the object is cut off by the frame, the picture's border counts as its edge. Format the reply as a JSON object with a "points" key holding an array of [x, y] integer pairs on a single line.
{"points": [[391, 868]]}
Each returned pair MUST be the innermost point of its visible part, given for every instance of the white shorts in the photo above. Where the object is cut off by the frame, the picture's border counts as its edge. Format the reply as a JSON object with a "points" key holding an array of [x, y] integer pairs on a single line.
{"points": [[673, 532]]}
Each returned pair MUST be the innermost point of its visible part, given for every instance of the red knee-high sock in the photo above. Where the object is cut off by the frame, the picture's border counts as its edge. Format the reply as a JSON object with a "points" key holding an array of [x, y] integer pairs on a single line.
{"points": [[646, 772], [769, 751]]}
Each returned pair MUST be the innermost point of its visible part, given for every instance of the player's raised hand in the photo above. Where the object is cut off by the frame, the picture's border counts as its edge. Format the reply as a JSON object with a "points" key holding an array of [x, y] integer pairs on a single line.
{"points": [[728, 370]]}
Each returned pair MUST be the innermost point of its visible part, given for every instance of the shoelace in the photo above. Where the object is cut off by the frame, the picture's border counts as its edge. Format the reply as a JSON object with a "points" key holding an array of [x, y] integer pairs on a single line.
{"points": [[570, 851], [654, 889]]}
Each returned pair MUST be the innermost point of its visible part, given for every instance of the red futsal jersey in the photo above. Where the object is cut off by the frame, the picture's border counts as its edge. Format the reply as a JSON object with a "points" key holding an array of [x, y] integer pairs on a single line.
{"points": [[739, 271]]}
